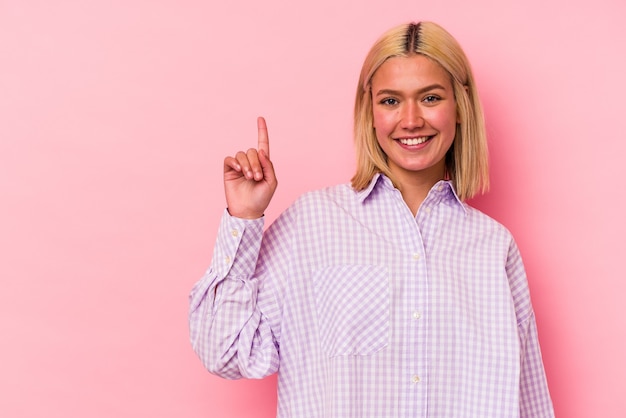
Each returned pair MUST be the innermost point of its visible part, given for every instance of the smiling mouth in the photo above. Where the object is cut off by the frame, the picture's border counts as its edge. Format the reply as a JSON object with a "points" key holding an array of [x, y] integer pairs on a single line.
{"points": [[414, 141]]}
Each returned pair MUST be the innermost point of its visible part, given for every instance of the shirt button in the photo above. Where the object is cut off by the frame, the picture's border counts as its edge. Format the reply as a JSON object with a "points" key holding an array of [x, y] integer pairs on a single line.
{"points": [[416, 256], [427, 210], [415, 379], [227, 260], [234, 233], [417, 315]]}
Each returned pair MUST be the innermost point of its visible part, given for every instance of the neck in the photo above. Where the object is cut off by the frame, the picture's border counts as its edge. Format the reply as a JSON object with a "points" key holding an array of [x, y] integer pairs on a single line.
{"points": [[414, 195], [415, 188]]}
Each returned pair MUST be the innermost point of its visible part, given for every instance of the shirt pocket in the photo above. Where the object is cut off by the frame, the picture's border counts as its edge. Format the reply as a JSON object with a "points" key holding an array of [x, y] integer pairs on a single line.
{"points": [[353, 308]]}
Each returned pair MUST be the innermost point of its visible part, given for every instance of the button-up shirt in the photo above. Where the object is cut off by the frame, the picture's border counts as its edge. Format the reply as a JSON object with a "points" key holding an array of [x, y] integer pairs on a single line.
{"points": [[366, 310]]}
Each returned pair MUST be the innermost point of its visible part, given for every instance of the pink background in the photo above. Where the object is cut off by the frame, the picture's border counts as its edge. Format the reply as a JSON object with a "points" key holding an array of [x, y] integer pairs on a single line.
{"points": [[115, 116]]}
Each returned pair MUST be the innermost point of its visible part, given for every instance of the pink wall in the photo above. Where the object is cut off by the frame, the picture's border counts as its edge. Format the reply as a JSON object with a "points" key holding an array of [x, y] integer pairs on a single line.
{"points": [[115, 117]]}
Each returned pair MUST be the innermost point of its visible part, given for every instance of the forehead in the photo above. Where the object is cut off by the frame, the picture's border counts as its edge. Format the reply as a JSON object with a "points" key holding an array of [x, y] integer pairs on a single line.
{"points": [[414, 70]]}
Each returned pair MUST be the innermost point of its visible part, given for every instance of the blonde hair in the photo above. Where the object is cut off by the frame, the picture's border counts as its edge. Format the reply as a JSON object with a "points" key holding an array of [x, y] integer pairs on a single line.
{"points": [[467, 162]]}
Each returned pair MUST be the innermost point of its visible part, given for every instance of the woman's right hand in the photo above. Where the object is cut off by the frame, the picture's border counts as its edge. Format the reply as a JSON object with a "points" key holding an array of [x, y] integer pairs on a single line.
{"points": [[249, 178]]}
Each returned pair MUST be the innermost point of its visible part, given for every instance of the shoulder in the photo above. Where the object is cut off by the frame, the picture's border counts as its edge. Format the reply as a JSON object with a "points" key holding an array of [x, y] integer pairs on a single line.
{"points": [[316, 203], [340, 194], [485, 224]]}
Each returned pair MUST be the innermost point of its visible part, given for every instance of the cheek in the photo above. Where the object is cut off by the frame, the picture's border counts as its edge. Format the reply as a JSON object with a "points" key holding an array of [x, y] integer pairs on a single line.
{"points": [[382, 120], [446, 120]]}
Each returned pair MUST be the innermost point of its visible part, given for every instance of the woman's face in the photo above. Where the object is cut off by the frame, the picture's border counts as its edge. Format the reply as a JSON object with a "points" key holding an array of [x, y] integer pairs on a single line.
{"points": [[415, 116]]}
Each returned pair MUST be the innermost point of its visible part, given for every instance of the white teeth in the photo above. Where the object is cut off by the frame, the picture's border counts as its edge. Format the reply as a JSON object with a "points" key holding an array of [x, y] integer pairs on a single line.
{"points": [[414, 141]]}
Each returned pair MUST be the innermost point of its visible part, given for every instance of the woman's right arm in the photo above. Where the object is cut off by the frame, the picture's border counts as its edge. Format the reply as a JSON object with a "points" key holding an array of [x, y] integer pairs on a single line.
{"points": [[227, 328], [228, 331]]}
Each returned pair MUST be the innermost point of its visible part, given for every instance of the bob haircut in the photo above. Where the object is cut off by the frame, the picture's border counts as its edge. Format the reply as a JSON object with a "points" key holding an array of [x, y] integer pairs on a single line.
{"points": [[467, 161]]}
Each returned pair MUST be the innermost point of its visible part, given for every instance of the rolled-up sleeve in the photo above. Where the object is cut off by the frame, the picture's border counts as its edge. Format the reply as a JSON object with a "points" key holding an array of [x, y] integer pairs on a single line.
{"points": [[227, 329]]}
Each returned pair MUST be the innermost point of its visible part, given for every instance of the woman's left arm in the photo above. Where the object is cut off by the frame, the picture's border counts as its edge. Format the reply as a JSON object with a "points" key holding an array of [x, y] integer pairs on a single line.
{"points": [[535, 401]]}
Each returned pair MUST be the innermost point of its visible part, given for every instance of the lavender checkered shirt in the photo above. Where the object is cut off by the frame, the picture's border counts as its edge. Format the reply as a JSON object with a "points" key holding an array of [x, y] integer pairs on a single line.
{"points": [[367, 311]]}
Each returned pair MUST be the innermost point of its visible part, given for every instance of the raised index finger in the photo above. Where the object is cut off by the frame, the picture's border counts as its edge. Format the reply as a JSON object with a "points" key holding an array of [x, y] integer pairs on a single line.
{"points": [[264, 141]]}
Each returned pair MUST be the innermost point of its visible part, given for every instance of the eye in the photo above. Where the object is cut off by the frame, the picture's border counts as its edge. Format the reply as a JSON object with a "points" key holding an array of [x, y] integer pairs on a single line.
{"points": [[389, 101], [431, 98]]}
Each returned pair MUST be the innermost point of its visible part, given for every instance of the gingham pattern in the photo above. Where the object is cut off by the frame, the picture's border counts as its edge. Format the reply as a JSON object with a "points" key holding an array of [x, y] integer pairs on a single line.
{"points": [[368, 311]]}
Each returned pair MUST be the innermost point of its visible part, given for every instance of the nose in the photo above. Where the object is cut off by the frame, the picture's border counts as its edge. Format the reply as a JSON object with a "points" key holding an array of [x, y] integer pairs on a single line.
{"points": [[411, 116]]}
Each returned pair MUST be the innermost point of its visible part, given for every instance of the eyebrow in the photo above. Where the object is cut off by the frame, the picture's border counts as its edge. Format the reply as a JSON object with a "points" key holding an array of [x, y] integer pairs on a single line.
{"points": [[420, 91]]}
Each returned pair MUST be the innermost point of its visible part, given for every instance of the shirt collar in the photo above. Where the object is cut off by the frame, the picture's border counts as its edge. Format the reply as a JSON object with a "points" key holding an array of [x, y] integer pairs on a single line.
{"points": [[442, 190], [362, 195]]}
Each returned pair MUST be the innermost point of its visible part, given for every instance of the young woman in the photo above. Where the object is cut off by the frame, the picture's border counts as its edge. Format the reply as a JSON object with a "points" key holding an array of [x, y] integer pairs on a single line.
{"points": [[389, 296]]}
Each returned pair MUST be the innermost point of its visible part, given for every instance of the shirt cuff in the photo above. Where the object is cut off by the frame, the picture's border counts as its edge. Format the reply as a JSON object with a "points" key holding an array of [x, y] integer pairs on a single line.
{"points": [[237, 247]]}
